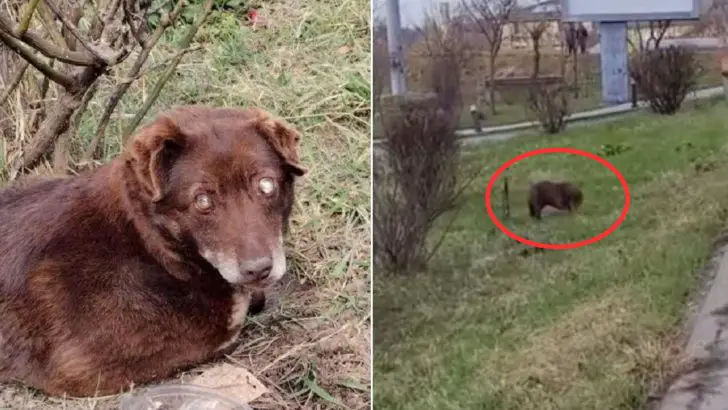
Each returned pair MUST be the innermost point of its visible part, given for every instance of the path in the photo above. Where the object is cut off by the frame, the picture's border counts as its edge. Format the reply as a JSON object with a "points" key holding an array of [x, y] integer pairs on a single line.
{"points": [[604, 114], [705, 385]]}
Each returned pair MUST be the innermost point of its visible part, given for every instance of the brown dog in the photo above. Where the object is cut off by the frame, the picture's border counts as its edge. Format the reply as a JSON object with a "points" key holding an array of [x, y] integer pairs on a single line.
{"points": [[560, 195], [147, 265]]}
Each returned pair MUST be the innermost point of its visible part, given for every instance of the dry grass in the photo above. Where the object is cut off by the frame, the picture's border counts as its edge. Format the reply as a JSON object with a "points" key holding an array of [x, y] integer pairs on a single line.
{"points": [[310, 66]]}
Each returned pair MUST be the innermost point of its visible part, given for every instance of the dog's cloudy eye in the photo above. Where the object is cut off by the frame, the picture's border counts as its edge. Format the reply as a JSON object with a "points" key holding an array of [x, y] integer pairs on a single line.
{"points": [[203, 202], [267, 186]]}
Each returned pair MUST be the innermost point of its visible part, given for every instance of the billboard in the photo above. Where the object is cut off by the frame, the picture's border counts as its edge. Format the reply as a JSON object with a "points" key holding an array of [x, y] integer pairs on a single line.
{"points": [[632, 10]]}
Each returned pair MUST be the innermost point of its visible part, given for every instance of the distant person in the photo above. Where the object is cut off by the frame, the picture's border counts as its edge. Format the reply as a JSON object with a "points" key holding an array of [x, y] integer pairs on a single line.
{"points": [[570, 37], [582, 35], [478, 117]]}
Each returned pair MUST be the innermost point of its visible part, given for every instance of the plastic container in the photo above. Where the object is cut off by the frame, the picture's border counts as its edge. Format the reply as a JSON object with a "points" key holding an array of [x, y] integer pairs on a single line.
{"points": [[180, 397]]}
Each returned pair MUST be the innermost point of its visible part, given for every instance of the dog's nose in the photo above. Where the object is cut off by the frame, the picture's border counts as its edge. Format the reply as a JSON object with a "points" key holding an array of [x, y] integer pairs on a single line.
{"points": [[259, 274], [258, 269]]}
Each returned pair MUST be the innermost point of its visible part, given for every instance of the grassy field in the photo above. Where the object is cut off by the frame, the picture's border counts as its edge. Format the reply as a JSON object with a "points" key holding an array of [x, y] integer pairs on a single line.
{"points": [[311, 66], [490, 326]]}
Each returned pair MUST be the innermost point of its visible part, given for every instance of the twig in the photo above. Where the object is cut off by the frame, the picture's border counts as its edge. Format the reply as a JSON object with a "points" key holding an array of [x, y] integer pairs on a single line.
{"points": [[134, 30], [13, 83], [20, 48], [74, 32], [26, 17], [207, 8], [446, 230], [45, 83], [45, 47], [124, 85], [61, 152], [75, 17], [302, 346], [166, 61], [49, 25]]}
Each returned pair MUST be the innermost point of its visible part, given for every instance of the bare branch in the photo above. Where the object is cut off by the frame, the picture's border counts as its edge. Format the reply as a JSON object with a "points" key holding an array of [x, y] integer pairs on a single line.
{"points": [[61, 152], [45, 83], [10, 87], [44, 47], [26, 17], [131, 76], [186, 41], [50, 26], [71, 27], [20, 48], [490, 16], [75, 17], [166, 21], [101, 22]]}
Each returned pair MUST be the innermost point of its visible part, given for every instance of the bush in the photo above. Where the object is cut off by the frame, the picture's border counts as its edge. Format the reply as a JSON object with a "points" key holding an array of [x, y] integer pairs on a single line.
{"points": [[414, 180], [665, 76], [550, 103]]}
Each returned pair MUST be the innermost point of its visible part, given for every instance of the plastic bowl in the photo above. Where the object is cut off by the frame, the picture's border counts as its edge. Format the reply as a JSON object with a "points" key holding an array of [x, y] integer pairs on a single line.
{"points": [[180, 397]]}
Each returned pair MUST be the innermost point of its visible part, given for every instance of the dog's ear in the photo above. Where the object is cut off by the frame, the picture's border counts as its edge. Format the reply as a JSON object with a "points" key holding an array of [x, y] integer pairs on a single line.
{"points": [[152, 152], [283, 139]]}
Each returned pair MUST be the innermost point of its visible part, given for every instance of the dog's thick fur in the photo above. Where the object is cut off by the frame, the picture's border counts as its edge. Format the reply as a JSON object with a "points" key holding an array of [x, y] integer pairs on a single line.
{"points": [[147, 265], [564, 196]]}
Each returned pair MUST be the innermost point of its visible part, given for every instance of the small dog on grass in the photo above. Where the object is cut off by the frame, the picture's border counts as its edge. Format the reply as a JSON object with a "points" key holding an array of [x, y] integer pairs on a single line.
{"points": [[564, 196]]}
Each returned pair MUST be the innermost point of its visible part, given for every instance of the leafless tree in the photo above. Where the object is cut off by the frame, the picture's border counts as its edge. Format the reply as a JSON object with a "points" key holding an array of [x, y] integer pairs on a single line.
{"points": [[716, 18], [490, 18], [657, 32], [448, 54], [535, 30], [72, 44]]}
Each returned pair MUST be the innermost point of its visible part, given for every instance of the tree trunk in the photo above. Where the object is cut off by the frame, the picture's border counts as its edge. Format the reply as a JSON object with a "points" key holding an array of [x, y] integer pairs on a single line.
{"points": [[536, 58], [576, 75], [56, 122], [491, 85]]}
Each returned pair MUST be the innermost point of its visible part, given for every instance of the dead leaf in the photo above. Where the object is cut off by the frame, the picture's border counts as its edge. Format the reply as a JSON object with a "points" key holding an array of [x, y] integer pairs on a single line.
{"points": [[233, 380]]}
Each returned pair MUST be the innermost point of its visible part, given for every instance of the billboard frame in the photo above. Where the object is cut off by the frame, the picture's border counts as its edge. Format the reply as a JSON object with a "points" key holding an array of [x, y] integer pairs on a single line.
{"points": [[567, 16]]}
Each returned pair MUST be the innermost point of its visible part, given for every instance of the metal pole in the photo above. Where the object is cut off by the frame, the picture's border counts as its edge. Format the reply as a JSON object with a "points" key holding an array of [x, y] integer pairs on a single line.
{"points": [[394, 43]]}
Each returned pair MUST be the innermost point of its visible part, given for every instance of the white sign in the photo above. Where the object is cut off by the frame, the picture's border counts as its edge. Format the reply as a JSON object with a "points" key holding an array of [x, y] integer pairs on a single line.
{"points": [[630, 10]]}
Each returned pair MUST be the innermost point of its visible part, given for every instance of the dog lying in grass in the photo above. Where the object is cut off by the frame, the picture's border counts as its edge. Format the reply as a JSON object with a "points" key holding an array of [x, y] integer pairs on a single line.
{"points": [[147, 265]]}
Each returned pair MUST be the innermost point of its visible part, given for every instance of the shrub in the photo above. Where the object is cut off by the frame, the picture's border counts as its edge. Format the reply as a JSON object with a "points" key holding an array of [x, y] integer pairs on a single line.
{"points": [[550, 103], [664, 76], [414, 179]]}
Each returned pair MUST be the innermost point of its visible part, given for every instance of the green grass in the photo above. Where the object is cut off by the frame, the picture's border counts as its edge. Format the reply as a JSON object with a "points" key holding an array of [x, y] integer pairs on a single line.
{"points": [[311, 66], [592, 328]]}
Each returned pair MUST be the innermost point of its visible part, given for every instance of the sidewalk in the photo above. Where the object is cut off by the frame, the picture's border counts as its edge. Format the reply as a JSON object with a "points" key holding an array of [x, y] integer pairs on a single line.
{"points": [[584, 115], [705, 386], [503, 132]]}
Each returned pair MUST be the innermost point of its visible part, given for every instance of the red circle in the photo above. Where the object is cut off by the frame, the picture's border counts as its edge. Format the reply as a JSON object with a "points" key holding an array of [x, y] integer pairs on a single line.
{"points": [[554, 150]]}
